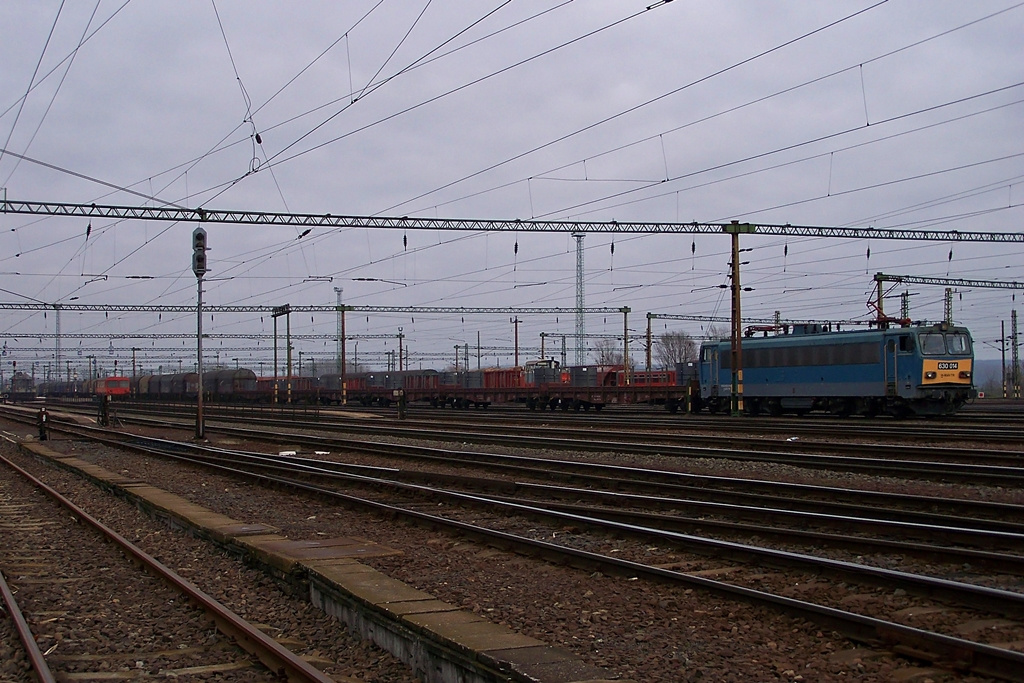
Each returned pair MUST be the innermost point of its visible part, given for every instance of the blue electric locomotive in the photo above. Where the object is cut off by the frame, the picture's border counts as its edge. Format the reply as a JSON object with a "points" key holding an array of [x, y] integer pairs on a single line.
{"points": [[916, 370]]}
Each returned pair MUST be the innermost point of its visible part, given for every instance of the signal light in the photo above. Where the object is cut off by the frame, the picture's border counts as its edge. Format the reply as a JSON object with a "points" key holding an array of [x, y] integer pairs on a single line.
{"points": [[199, 252]]}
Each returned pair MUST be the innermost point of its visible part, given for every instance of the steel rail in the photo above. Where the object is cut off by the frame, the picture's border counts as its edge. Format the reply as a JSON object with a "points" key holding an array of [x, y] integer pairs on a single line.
{"points": [[612, 430], [941, 649], [928, 524], [992, 474], [992, 560], [274, 656], [35, 657], [675, 429], [976, 597], [937, 528], [995, 516], [966, 428]]}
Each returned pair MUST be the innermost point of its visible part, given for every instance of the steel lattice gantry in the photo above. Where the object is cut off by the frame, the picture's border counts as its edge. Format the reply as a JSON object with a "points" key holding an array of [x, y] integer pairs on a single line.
{"points": [[150, 308], [183, 214], [947, 282]]}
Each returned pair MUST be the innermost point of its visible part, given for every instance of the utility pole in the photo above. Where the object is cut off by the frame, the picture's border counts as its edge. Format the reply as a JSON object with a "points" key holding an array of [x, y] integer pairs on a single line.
{"points": [[1015, 354], [342, 370], [649, 340], [276, 313], [341, 336], [1002, 344], [734, 229], [56, 350], [515, 322], [625, 345], [400, 337]]}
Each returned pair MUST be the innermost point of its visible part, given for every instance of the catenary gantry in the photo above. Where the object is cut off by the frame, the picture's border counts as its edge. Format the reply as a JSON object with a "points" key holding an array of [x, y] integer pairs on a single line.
{"points": [[328, 220]]}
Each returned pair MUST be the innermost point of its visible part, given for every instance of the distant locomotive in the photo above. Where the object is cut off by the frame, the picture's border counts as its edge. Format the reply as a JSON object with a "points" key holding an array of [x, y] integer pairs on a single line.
{"points": [[917, 370], [114, 387], [22, 387]]}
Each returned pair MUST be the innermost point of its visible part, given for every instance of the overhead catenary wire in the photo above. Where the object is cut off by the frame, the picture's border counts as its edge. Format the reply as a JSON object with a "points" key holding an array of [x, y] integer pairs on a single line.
{"points": [[451, 91], [637, 107], [31, 82], [53, 97], [381, 249]]}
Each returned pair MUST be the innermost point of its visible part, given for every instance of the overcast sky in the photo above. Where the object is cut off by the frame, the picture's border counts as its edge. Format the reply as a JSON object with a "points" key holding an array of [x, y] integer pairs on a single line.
{"points": [[898, 114]]}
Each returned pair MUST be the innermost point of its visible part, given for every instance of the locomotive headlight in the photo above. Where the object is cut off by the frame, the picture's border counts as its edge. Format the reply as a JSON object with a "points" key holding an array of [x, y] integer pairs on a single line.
{"points": [[930, 375], [965, 374]]}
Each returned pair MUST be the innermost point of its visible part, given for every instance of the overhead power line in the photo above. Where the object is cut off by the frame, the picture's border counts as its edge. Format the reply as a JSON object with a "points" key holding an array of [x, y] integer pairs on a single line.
{"points": [[201, 215]]}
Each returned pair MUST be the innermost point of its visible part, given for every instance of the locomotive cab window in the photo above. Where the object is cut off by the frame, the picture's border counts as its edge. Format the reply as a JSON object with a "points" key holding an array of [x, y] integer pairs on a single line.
{"points": [[906, 343], [958, 344], [932, 344]]}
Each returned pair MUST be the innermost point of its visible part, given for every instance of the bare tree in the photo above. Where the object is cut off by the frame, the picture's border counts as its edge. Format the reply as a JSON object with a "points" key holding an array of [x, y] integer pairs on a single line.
{"points": [[675, 347], [607, 352]]}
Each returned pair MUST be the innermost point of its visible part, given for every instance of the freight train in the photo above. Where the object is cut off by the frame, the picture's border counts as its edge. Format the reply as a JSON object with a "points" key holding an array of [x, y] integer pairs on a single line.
{"points": [[538, 385], [912, 370], [115, 387]]}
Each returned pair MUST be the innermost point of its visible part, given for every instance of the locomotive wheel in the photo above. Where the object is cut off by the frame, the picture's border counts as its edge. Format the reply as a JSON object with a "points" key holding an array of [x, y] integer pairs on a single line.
{"points": [[871, 407], [840, 407]]}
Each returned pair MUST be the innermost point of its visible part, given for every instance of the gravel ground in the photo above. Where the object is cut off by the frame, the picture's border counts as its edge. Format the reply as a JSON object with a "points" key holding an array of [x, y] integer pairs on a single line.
{"points": [[248, 592], [638, 630]]}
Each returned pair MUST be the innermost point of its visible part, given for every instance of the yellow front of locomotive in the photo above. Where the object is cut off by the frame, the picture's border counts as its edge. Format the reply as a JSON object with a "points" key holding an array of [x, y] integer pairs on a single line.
{"points": [[947, 372]]}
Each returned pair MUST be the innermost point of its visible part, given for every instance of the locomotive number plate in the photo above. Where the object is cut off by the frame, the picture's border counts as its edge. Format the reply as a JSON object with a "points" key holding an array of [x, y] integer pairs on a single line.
{"points": [[948, 365]]}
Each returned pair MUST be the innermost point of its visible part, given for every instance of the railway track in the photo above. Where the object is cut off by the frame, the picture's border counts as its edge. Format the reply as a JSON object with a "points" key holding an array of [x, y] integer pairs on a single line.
{"points": [[517, 527], [994, 432], [995, 467], [993, 429], [101, 607]]}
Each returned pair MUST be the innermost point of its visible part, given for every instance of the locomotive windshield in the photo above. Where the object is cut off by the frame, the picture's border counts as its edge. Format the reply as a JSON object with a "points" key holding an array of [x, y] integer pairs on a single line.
{"points": [[958, 343], [938, 344]]}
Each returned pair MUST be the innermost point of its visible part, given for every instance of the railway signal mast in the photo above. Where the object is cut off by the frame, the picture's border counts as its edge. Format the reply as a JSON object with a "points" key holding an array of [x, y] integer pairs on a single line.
{"points": [[199, 268]]}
